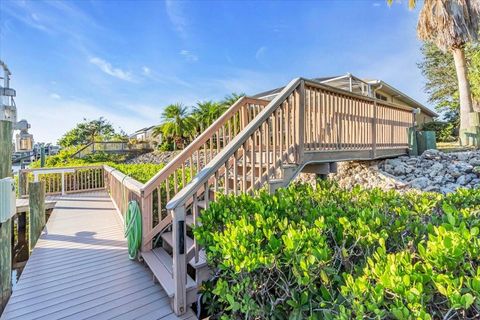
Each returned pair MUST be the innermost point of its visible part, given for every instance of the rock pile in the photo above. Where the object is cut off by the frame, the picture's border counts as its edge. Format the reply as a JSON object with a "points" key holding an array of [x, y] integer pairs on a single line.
{"points": [[157, 157], [436, 171], [164, 157], [363, 173]]}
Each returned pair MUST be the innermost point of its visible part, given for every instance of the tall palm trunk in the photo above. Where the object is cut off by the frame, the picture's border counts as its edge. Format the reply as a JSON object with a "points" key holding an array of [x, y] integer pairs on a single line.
{"points": [[466, 105]]}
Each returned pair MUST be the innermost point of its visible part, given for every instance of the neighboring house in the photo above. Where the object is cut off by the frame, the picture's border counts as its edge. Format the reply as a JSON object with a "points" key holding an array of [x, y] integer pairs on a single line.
{"points": [[381, 90], [146, 135]]}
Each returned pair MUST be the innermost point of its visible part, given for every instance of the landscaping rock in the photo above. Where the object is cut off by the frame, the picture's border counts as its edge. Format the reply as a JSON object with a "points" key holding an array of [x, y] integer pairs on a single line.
{"points": [[433, 171], [420, 183]]}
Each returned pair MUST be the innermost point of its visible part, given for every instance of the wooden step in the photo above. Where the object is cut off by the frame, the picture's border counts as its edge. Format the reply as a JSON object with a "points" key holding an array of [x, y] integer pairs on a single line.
{"points": [[274, 184], [161, 264], [202, 258], [189, 221]]}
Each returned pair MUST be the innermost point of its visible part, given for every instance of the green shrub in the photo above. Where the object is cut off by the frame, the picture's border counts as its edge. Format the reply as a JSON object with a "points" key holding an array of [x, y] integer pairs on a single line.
{"points": [[141, 172], [166, 146], [329, 253], [444, 131]]}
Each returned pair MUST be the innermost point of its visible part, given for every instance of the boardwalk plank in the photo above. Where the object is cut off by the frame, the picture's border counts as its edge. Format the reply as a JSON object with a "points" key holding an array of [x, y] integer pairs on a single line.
{"points": [[80, 269]]}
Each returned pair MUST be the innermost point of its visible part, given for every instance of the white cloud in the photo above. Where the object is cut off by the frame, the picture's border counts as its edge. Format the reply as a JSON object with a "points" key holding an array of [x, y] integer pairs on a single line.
{"points": [[146, 70], [176, 14], [189, 56], [106, 67], [260, 52], [55, 96]]}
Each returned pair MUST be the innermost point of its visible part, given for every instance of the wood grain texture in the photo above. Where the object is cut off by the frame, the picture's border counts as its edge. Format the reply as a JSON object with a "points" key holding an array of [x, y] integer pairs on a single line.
{"points": [[80, 269], [37, 211], [5, 228]]}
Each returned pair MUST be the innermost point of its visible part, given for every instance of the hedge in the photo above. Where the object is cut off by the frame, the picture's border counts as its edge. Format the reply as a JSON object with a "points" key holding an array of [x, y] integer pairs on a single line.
{"points": [[330, 253]]}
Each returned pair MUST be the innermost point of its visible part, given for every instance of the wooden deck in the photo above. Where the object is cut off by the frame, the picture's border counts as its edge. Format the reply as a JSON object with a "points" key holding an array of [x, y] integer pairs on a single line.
{"points": [[23, 205], [80, 269]]}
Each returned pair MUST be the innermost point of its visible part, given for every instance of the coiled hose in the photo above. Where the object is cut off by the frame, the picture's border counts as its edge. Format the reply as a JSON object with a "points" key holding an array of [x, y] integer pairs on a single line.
{"points": [[133, 229]]}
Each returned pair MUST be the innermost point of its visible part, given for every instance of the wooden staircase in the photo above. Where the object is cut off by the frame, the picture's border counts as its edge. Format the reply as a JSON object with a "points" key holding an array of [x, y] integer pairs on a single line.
{"points": [[256, 144]]}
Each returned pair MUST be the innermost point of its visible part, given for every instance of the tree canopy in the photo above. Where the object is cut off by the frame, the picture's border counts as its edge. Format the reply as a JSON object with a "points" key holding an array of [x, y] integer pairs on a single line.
{"points": [[180, 124], [442, 88], [89, 131]]}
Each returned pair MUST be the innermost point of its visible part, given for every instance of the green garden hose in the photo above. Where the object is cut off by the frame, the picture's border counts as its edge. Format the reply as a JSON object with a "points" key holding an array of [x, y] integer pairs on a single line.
{"points": [[133, 229]]}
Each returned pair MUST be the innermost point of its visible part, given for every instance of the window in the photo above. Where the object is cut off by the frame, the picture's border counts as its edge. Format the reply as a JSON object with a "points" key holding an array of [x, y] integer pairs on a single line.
{"points": [[381, 96]]}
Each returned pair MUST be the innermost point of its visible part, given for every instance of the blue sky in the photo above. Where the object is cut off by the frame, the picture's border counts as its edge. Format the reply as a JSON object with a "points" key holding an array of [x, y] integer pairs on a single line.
{"points": [[126, 60]]}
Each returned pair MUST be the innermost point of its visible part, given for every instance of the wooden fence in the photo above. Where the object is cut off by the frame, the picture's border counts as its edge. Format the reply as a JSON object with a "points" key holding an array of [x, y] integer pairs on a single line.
{"points": [[86, 178]]}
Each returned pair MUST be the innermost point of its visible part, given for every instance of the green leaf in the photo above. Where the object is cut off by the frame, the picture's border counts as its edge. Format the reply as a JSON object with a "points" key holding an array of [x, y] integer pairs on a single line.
{"points": [[474, 231], [451, 219], [467, 300]]}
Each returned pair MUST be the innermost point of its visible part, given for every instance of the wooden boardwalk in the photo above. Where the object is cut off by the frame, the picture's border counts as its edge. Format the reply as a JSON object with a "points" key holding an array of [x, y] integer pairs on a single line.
{"points": [[80, 269]]}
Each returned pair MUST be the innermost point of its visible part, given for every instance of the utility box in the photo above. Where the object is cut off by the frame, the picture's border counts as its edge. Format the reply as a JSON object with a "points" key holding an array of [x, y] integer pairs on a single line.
{"points": [[8, 202], [412, 141], [426, 140]]}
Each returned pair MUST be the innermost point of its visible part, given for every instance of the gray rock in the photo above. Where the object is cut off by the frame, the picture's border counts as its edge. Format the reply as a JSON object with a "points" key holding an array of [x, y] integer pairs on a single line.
{"points": [[399, 169], [475, 181], [464, 167], [411, 161], [435, 169], [463, 156], [431, 154], [455, 174], [432, 189], [445, 190], [474, 162], [438, 179], [463, 180], [420, 183]]}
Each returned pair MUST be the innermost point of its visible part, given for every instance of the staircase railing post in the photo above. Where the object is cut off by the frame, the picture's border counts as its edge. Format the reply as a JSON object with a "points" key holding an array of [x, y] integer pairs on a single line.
{"points": [[300, 122], [146, 205], [374, 129], [179, 260], [244, 115]]}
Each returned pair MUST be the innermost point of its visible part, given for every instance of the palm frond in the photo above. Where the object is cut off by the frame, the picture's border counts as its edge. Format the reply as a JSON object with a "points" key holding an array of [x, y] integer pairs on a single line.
{"points": [[449, 23]]}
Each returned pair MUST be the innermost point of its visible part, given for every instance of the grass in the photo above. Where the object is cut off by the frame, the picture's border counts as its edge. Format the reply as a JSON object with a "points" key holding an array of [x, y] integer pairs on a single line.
{"points": [[453, 147]]}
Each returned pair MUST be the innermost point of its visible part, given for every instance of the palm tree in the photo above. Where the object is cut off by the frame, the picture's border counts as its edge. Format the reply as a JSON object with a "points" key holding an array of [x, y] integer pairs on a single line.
{"points": [[206, 112], [176, 124], [97, 129], [230, 99], [451, 24]]}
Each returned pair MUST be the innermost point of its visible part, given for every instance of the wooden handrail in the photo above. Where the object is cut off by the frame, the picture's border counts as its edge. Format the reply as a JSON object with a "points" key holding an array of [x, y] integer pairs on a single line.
{"points": [[50, 168], [219, 160], [185, 154], [127, 181]]}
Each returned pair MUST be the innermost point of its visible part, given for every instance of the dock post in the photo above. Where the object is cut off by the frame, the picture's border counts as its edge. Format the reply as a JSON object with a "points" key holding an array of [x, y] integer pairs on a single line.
{"points": [[37, 211], [42, 156], [6, 227]]}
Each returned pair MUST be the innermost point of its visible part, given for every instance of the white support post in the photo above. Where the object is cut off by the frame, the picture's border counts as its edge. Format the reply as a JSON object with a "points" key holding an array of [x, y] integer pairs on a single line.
{"points": [[179, 260], [63, 183]]}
